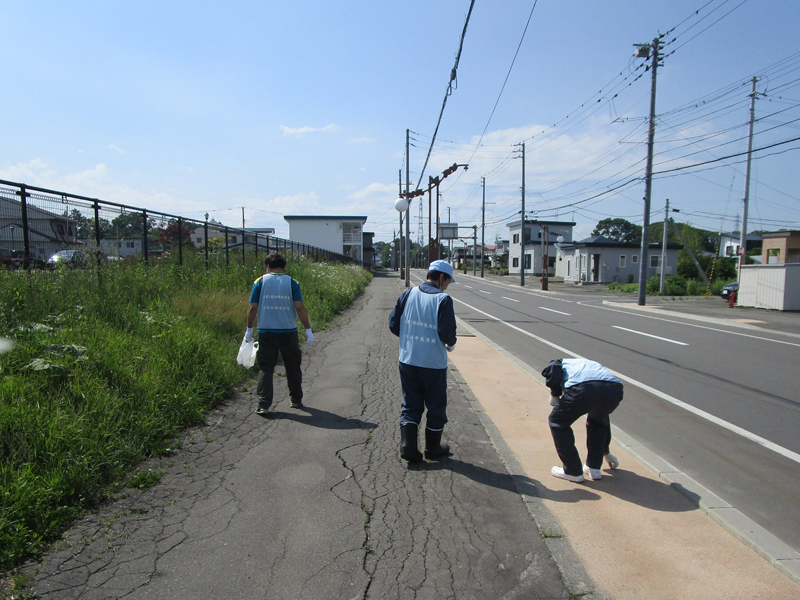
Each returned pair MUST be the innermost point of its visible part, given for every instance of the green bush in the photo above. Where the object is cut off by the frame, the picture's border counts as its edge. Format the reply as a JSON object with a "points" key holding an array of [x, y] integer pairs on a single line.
{"points": [[674, 285], [654, 285], [109, 365]]}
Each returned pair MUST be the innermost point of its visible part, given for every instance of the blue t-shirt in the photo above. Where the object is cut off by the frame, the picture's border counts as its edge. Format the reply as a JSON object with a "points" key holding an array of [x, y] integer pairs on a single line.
{"points": [[255, 295]]}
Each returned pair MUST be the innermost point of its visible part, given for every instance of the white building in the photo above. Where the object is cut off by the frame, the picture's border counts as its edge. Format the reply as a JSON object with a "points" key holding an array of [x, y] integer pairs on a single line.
{"points": [[534, 236], [599, 259], [729, 243], [342, 235]]}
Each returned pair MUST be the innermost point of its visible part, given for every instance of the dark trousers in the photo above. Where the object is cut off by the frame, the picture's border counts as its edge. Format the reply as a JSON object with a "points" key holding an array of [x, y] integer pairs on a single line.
{"points": [[596, 400], [423, 389], [288, 344]]}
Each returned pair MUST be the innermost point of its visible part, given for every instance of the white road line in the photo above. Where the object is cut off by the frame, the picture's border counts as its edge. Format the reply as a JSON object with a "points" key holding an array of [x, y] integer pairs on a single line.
{"points": [[512, 300], [468, 287], [485, 292], [555, 311], [636, 314], [650, 335], [785, 452]]}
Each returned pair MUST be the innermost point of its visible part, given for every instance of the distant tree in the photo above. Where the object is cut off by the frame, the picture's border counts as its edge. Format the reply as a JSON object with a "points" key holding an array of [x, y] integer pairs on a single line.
{"points": [[130, 225], [619, 230], [169, 235]]}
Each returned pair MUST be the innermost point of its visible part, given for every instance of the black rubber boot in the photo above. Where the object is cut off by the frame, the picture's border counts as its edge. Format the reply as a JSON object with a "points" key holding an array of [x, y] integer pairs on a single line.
{"points": [[408, 443], [434, 446]]}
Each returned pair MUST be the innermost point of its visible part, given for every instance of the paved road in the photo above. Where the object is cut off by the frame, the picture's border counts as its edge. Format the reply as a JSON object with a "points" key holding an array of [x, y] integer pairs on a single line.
{"points": [[316, 503], [742, 375]]}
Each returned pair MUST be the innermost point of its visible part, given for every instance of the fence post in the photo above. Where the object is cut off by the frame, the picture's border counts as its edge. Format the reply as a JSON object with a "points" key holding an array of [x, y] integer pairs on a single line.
{"points": [[227, 251], [97, 229], [244, 258], [26, 243], [205, 237], [180, 241], [256, 249]]}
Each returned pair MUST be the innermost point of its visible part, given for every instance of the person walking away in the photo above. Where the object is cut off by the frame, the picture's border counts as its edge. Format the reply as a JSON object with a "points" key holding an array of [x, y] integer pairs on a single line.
{"points": [[277, 301], [425, 322], [589, 389]]}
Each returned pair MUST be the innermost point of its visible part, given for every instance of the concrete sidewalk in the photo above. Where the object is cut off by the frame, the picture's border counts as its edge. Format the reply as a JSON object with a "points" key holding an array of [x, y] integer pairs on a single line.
{"points": [[637, 536], [316, 503]]}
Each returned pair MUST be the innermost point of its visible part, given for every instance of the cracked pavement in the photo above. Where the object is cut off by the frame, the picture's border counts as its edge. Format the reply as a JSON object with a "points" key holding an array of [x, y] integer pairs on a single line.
{"points": [[315, 503]]}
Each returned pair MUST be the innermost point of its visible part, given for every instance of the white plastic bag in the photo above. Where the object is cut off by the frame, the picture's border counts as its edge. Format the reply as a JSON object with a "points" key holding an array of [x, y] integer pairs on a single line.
{"points": [[247, 354]]}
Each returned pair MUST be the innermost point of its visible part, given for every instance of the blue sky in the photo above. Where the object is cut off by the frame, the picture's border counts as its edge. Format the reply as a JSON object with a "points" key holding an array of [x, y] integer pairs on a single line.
{"points": [[301, 107]]}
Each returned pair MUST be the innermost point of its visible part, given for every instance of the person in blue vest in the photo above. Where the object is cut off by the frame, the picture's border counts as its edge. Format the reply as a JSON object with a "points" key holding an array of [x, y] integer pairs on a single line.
{"points": [[581, 387], [277, 301], [425, 322]]}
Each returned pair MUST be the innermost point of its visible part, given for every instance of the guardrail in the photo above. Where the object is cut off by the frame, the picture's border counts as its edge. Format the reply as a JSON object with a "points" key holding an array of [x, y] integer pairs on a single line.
{"points": [[37, 223]]}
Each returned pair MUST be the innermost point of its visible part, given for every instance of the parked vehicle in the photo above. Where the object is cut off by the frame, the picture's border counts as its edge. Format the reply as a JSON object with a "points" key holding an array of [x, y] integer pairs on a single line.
{"points": [[73, 258], [6, 259], [19, 260], [728, 289]]}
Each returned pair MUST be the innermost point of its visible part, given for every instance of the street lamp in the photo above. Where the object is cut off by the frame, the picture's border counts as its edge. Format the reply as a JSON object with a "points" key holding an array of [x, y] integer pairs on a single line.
{"points": [[391, 253], [401, 205]]}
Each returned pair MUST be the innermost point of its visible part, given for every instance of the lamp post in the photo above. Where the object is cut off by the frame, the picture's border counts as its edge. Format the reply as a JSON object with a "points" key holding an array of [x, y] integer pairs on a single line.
{"points": [[401, 205]]}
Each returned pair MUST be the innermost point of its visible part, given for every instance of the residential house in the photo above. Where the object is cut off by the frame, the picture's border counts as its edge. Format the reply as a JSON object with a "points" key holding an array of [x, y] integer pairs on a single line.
{"points": [[342, 235], [729, 243], [599, 259], [47, 232], [536, 235], [780, 247]]}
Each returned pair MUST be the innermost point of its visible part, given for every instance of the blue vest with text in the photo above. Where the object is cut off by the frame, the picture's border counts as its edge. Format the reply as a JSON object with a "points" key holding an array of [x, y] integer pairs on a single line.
{"points": [[275, 305], [420, 345], [580, 370]]}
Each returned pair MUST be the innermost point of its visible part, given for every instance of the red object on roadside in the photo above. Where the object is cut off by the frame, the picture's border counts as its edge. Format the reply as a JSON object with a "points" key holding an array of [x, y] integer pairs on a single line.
{"points": [[732, 299]]}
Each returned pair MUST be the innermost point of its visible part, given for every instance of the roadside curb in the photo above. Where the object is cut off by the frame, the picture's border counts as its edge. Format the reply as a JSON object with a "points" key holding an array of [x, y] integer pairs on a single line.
{"points": [[776, 552], [572, 571]]}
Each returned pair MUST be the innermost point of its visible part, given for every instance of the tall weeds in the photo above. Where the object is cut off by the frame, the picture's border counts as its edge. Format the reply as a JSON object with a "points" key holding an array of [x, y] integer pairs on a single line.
{"points": [[108, 365]]}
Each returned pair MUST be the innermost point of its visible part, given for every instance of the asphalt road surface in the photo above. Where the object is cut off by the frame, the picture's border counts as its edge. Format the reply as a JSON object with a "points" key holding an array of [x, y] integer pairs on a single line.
{"points": [[717, 400]]}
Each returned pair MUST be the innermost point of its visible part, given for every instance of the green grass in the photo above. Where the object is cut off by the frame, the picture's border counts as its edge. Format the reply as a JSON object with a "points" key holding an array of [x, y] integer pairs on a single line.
{"points": [[109, 366]]}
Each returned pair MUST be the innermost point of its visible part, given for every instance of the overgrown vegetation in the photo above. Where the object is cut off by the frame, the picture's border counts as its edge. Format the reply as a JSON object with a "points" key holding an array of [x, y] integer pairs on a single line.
{"points": [[109, 365], [675, 285]]}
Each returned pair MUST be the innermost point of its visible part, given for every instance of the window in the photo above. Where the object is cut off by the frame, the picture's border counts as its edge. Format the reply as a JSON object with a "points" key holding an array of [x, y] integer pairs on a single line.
{"points": [[199, 240], [622, 261], [129, 244], [233, 239], [516, 263], [655, 260], [539, 234], [516, 241], [527, 235], [527, 261], [635, 259]]}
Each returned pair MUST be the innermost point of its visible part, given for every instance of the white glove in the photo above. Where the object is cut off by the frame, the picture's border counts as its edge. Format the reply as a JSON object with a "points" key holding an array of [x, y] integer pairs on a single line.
{"points": [[309, 337], [554, 400], [248, 334], [449, 348]]}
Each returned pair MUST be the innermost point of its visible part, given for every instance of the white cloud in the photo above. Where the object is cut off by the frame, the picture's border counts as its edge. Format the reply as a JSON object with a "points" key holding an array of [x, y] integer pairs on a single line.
{"points": [[375, 191], [297, 131], [361, 140], [116, 149]]}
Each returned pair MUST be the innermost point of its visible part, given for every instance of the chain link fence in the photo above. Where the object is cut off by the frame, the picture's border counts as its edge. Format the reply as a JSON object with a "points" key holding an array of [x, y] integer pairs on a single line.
{"points": [[42, 228]]}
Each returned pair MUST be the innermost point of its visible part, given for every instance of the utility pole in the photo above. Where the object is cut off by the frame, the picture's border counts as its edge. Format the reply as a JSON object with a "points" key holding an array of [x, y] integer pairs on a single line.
{"points": [[408, 221], [743, 238], [438, 249], [644, 51], [474, 246], [483, 221], [664, 245], [522, 230], [450, 241], [400, 186], [545, 257], [430, 191]]}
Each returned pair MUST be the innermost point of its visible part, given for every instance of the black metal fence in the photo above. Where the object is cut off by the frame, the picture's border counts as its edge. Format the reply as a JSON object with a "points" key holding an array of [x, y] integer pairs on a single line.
{"points": [[40, 227]]}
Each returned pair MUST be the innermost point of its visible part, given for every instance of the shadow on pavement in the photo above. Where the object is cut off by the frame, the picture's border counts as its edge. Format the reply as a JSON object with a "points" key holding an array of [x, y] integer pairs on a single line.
{"points": [[321, 418], [627, 486]]}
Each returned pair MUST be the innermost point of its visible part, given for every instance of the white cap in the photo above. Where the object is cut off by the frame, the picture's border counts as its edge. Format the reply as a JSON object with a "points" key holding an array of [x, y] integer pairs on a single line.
{"points": [[443, 267]]}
